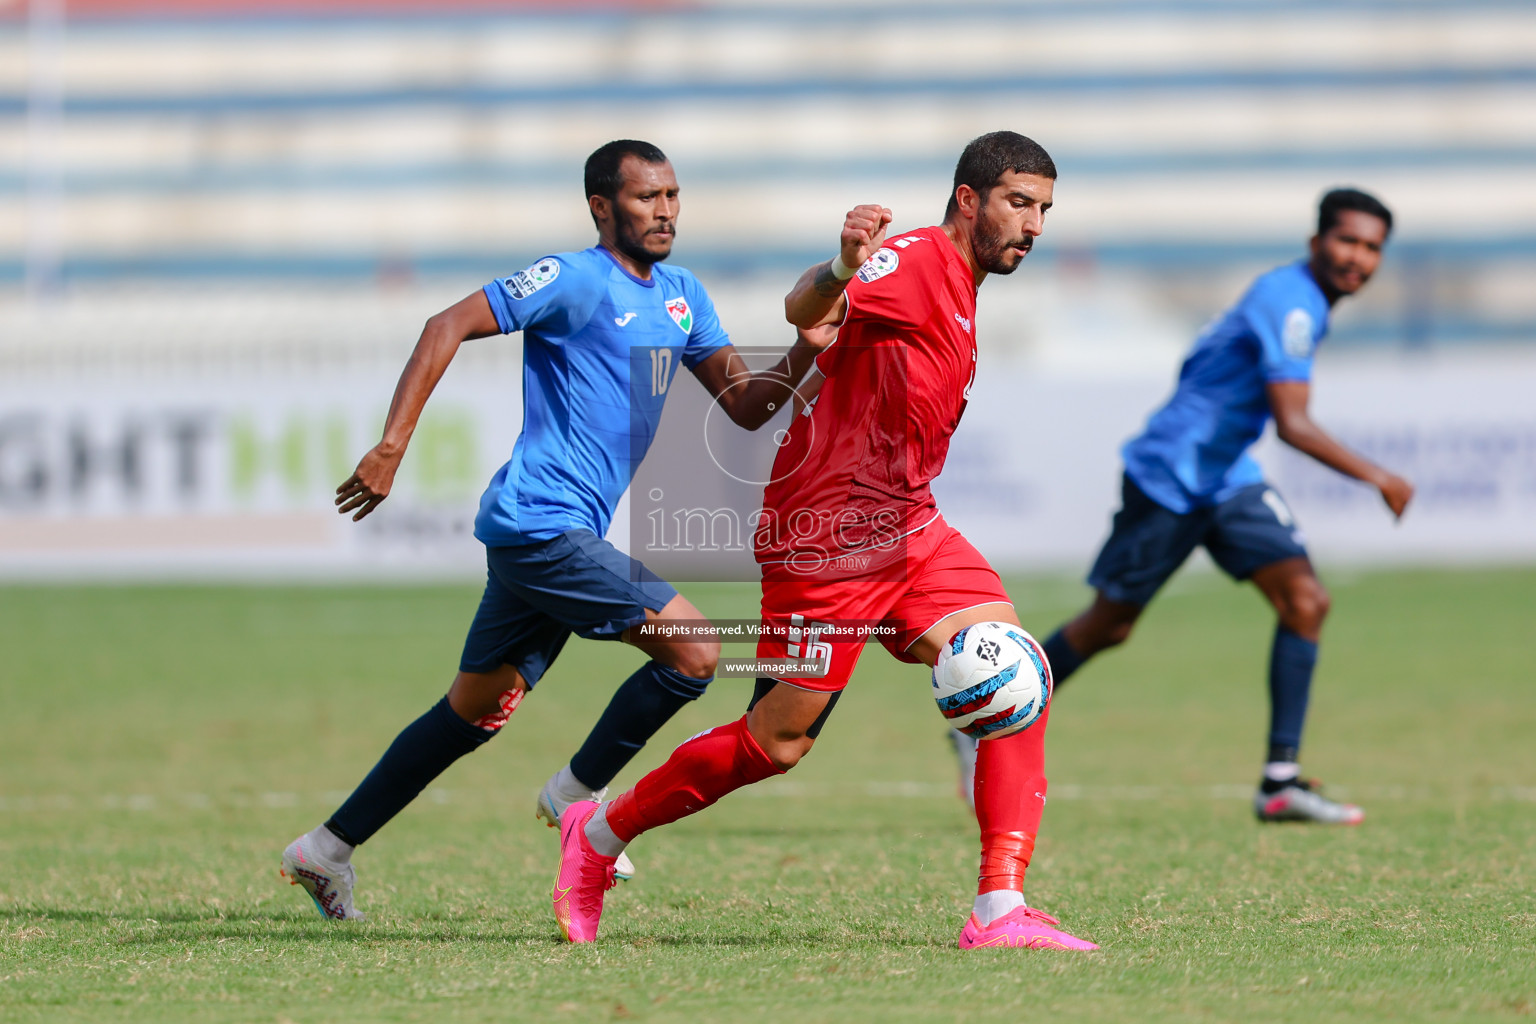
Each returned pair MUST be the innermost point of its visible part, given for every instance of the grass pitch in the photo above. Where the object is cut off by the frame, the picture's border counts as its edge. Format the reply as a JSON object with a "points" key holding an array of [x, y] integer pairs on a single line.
{"points": [[161, 745]]}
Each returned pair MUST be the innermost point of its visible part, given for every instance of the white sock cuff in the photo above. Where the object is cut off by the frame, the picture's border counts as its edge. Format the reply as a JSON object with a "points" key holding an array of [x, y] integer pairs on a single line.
{"points": [[601, 836], [327, 845], [1281, 771], [990, 906], [567, 788]]}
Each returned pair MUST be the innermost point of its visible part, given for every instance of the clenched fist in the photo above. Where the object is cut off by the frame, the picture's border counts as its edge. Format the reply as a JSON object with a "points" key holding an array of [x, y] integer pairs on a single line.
{"points": [[863, 234]]}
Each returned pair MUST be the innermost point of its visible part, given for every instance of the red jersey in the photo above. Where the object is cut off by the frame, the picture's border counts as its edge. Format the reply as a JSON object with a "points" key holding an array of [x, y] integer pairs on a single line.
{"points": [[852, 476]]}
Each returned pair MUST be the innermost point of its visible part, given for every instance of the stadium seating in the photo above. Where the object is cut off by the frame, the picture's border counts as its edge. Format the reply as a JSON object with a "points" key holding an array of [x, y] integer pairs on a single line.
{"points": [[1192, 137]]}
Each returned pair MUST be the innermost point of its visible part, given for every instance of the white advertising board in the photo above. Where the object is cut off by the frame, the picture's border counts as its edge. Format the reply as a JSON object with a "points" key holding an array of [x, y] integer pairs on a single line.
{"points": [[230, 475], [1034, 473], [223, 474]]}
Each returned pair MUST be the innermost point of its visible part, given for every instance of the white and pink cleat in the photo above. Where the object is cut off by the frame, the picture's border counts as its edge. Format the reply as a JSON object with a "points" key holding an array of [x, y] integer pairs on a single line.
{"points": [[1301, 801], [1024, 928], [328, 883]]}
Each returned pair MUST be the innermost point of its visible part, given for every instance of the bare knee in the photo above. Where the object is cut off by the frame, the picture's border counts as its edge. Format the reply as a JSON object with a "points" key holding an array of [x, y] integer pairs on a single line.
{"points": [[786, 751], [487, 699], [1305, 606], [785, 720], [1103, 626], [696, 660], [676, 636], [701, 660], [784, 738], [1115, 633]]}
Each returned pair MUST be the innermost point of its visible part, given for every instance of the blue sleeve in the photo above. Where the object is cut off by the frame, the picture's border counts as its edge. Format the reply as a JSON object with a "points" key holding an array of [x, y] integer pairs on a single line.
{"points": [[1287, 329], [553, 295], [707, 336]]}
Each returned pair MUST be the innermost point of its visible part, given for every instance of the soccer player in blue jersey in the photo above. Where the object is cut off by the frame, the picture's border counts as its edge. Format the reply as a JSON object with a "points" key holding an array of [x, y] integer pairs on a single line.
{"points": [[604, 332], [1189, 480]]}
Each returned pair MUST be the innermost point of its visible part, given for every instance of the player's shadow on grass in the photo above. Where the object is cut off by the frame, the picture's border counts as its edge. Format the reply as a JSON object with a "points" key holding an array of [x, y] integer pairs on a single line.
{"points": [[177, 927], [800, 830], [810, 939]]}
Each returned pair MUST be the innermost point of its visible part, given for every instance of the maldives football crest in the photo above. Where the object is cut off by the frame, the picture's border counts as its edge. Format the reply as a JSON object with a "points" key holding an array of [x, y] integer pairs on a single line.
{"points": [[681, 315]]}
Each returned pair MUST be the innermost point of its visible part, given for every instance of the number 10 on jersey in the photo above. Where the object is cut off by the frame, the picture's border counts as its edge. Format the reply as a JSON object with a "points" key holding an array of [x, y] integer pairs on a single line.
{"points": [[661, 370]]}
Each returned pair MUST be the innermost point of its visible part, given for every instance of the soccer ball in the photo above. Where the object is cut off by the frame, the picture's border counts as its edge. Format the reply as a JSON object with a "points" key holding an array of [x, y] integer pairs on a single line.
{"points": [[991, 680]]}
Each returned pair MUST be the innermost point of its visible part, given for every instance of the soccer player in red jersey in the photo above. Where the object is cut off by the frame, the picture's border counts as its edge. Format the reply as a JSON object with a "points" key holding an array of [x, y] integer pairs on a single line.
{"points": [[850, 537]]}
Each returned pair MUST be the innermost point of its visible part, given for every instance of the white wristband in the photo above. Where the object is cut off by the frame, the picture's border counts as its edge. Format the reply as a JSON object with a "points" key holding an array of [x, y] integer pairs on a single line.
{"points": [[841, 270]]}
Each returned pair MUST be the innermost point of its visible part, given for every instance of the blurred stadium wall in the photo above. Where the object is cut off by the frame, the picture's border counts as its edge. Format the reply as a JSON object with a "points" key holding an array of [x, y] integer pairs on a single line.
{"points": [[222, 225]]}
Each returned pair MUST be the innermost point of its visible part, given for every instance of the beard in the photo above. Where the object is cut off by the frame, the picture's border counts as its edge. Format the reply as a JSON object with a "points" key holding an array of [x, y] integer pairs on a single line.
{"points": [[994, 252], [633, 245], [1338, 275]]}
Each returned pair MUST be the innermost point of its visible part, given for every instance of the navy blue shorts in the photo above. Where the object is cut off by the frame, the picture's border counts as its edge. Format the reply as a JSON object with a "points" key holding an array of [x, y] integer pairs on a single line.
{"points": [[1148, 543], [537, 595]]}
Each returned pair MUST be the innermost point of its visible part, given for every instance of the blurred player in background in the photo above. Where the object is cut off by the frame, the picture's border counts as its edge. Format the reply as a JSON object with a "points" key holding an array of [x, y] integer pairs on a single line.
{"points": [[1190, 480], [852, 535], [605, 330]]}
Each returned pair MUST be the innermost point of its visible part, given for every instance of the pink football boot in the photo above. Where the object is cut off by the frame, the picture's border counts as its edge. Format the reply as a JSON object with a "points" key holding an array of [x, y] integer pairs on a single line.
{"points": [[1024, 928], [585, 875]]}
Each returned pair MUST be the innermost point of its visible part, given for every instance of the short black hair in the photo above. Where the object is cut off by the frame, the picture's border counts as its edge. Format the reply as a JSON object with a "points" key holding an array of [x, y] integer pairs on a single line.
{"points": [[988, 157], [602, 176], [1341, 199]]}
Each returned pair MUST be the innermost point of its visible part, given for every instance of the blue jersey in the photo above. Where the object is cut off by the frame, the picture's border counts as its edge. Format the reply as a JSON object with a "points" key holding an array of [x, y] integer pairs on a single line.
{"points": [[1194, 450], [600, 349]]}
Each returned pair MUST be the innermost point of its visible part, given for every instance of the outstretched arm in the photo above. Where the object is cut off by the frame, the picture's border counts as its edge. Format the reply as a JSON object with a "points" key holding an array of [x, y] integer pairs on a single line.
{"points": [[751, 398], [817, 298], [1288, 401], [440, 340]]}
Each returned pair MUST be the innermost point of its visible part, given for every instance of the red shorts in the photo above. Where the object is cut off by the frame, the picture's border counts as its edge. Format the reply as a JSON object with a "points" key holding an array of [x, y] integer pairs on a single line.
{"points": [[831, 619]]}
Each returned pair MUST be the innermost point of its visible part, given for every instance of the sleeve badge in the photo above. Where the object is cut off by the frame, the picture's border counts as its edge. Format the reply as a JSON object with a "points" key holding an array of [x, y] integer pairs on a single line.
{"points": [[877, 266], [525, 282], [1296, 335]]}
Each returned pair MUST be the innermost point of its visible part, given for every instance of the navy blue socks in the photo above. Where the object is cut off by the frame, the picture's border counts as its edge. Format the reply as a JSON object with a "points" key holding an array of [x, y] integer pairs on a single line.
{"points": [[647, 701], [425, 748], [423, 751], [1064, 660], [1291, 661]]}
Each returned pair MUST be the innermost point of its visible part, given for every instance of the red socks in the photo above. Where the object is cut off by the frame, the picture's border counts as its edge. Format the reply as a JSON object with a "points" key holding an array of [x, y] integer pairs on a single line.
{"points": [[1010, 792], [1010, 797], [698, 773]]}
